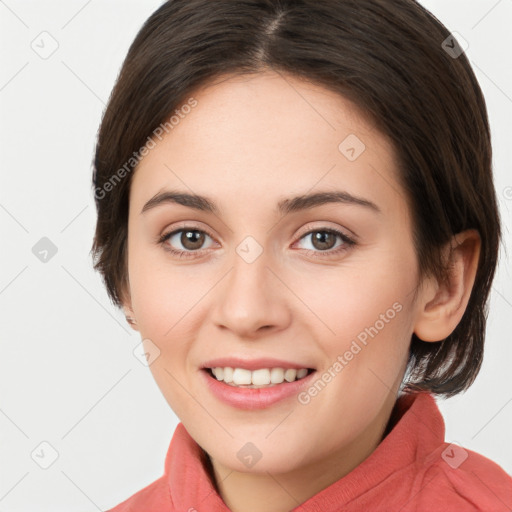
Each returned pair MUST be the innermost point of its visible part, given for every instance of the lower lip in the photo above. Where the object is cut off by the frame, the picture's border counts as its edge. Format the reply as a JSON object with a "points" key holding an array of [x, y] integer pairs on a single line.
{"points": [[254, 398]]}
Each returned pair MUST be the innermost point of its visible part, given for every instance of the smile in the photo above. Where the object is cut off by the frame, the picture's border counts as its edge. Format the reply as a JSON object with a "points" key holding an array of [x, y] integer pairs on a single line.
{"points": [[257, 383], [259, 378]]}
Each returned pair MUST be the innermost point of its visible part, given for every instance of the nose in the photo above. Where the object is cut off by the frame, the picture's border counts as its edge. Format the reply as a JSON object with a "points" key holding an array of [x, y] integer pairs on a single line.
{"points": [[251, 300]]}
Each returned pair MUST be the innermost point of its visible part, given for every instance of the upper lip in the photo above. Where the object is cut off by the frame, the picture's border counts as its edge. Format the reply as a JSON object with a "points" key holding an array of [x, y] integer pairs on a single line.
{"points": [[252, 364]]}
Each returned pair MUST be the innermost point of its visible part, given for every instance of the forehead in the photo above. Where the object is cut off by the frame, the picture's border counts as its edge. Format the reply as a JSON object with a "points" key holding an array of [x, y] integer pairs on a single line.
{"points": [[272, 108], [267, 134]]}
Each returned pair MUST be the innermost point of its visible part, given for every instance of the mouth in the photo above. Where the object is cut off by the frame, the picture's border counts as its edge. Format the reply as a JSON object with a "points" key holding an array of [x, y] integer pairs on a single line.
{"points": [[259, 378], [253, 384]]}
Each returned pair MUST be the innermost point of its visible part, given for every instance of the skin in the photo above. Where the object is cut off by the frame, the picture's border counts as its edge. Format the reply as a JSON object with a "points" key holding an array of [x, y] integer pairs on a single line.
{"points": [[250, 142]]}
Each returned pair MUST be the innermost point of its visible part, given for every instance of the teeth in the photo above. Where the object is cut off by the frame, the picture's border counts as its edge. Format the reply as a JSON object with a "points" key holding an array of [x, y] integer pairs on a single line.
{"points": [[289, 375], [241, 376], [258, 378], [302, 373], [261, 377], [276, 375], [228, 374]]}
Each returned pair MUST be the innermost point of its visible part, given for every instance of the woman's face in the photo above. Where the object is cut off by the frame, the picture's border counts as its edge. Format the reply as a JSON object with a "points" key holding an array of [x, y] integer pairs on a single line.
{"points": [[264, 282]]}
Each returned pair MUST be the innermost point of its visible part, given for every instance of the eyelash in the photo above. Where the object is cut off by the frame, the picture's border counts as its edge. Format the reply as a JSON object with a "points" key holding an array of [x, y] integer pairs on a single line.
{"points": [[348, 242]]}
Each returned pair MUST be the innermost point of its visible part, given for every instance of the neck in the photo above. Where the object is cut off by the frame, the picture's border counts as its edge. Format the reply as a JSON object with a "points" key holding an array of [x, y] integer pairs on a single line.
{"points": [[281, 492]]}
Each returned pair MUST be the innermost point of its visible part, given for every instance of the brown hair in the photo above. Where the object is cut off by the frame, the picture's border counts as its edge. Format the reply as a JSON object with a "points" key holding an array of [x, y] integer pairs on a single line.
{"points": [[391, 59]]}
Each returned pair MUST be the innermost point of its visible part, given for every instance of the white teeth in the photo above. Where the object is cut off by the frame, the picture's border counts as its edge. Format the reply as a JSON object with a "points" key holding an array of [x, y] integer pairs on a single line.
{"points": [[241, 376], [257, 378], [228, 374], [261, 377], [276, 375], [289, 375]]}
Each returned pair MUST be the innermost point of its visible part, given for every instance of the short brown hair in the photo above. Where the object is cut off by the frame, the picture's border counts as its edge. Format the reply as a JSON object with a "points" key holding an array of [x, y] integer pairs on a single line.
{"points": [[392, 60]]}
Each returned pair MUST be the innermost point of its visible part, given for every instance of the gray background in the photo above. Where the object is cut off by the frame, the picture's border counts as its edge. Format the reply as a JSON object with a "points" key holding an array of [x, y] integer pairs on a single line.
{"points": [[68, 375]]}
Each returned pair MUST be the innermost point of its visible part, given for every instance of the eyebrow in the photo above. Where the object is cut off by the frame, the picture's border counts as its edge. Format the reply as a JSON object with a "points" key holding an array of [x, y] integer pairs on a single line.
{"points": [[285, 206]]}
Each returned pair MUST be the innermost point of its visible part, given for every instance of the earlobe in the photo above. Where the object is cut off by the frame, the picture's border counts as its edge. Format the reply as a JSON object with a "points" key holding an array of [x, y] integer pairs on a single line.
{"points": [[129, 315], [126, 304], [442, 304], [131, 320]]}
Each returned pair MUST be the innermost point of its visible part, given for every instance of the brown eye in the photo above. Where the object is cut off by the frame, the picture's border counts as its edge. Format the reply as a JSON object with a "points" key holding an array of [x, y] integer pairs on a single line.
{"points": [[184, 241], [323, 240], [192, 240]]}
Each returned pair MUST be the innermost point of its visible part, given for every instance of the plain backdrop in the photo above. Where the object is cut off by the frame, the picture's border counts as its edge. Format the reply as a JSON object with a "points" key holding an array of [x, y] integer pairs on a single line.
{"points": [[68, 375]]}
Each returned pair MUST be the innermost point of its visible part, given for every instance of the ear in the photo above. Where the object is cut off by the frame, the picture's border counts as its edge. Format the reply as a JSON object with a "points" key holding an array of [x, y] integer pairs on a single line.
{"points": [[442, 304], [128, 311], [130, 318]]}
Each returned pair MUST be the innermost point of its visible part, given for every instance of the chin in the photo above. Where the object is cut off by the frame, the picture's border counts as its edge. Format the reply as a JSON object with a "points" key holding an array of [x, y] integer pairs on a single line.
{"points": [[258, 457], [275, 464]]}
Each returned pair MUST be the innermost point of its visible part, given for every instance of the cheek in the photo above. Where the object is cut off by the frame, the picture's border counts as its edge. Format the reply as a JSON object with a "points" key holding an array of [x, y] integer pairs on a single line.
{"points": [[165, 301], [359, 305], [368, 310], [162, 293]]}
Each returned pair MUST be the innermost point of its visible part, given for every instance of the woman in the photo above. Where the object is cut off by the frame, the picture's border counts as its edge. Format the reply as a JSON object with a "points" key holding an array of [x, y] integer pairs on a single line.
{"points": [[296, 211]]}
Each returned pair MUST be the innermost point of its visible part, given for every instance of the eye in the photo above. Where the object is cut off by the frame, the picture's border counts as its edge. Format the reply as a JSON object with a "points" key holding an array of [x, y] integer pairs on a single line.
{"points": [[190, 238], [324, 240], [192, 241]]}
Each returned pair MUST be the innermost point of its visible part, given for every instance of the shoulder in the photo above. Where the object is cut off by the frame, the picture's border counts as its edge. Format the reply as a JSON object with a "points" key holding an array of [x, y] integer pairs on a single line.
{"points": [[154, 497], [463, 480]]}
